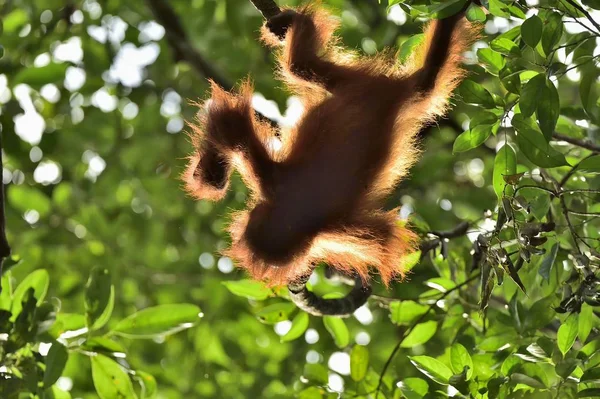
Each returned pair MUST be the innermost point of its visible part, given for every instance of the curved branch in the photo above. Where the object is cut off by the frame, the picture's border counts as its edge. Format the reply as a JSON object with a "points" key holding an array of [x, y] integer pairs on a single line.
{"points": [[267, 8], [317, 306], [180, 43]]}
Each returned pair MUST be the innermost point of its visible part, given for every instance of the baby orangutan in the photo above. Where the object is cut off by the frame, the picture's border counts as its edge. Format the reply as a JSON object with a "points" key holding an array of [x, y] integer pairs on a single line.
{"points": [[320, 197]]}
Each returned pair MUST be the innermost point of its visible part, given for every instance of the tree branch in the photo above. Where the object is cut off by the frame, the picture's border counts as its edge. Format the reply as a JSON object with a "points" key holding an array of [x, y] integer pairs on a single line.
{"points": [[315, 305], [584, 12], [180, 43], [459, 230], [570, 173], [414, 324], [579, 143], [267, 8]]}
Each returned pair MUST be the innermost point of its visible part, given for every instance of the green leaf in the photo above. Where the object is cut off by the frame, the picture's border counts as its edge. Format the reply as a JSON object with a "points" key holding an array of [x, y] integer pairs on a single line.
{"points": [[459, 359], [548, 109], [148, 382], [56, 393], [588, 92], [446, 8], [359, 362], [159, 320], [15, 20], [471, 138], [39, 280], [249, 289], [505, 46], [404, 312], [540, 314], [531, 31], [409, 261], [475, 13], [498, 8], [483, 118], [591, 376], [474, 93], [493, 60], [414, 388], [38, 77], [6, 292], [590, 165], [299, 326], [275, 313], [567, 333], [565, 367], [316, 372], [409, 46], [505, 164], [530, 95], [338, 330], [24, 198], [99, 298], [525, 379], [552, 32], [595, 4], [589, 393], [67, 322], [110, 380], [534, 146], [432, 368], [420, 334], [510, 77], [548, 262], [56, 359], [586, 322], [104, 344]]}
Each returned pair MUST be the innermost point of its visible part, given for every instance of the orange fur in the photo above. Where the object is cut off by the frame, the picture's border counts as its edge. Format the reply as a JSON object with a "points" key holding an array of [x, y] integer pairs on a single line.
{"points": [[320, 197]]}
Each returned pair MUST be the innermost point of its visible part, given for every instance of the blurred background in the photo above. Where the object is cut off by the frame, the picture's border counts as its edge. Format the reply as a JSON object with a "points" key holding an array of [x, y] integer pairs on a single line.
{"points": [[94, 99]]}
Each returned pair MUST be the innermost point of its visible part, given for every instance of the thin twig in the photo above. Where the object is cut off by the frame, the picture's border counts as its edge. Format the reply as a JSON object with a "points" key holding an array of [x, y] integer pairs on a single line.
{"points": [[268, 8], [536, 188], [579, 143], [583, 213], [180, 44], [570, 173], [584, 12], [414, 324], [458, 231]]}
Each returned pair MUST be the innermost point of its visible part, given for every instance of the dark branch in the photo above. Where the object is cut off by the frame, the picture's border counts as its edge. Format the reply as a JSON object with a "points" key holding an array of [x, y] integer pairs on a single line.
{"points": [[584, 12], [570, 173], [267, 8], [579, 143], [180, 43], [458, 231], [315, 305], [4, 247]]}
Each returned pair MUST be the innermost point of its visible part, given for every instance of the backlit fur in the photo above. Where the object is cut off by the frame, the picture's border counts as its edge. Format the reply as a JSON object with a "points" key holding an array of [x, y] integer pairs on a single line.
{"points": [[321, 196]]}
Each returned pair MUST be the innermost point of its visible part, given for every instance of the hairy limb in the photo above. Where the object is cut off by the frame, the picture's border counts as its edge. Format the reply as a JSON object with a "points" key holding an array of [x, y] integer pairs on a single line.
{"points": [[207, 174], [306, 34], [439, 52], [232, 129]]}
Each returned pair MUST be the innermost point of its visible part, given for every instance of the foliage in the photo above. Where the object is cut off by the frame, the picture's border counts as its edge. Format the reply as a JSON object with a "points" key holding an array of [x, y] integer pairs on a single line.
{"points": [[111, 262]]}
